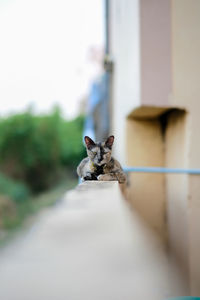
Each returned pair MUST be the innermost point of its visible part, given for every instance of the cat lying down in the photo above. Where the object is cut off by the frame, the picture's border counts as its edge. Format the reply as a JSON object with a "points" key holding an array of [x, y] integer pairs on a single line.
{"points": [[100, 165]]}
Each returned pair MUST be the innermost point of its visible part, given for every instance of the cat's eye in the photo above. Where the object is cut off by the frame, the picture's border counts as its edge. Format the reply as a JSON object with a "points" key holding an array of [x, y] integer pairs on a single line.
{"points": [[94, 153]]}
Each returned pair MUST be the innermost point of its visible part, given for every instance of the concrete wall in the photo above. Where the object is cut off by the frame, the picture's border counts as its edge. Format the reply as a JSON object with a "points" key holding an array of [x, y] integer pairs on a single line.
{"points": [[124, 44], [155, 59], [140, 47], [185, 52], [147, 192], [160, 137], [186, 92], [176, 156], [156, 46]]}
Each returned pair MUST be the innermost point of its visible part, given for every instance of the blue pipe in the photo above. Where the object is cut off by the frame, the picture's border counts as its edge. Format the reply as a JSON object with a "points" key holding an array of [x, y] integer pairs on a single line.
{"points": [[161, 170]]}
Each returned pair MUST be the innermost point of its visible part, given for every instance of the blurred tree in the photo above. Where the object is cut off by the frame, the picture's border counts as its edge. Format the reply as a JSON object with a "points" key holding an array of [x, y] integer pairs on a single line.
{"points": [[35, 149]]}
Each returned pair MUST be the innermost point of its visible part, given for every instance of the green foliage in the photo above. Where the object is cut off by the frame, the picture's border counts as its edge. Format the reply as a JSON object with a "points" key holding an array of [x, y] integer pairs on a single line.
{"points": [[36, 152], [16, 191], [13, 196], [36, 149], [72, 150]]}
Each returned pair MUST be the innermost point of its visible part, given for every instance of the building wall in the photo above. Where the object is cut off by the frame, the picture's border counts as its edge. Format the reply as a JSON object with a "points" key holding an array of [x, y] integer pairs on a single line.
{"points": [[139, 45], [145, 147], [156, 46], [155, 60], [176, 156], [124, 44], [186, 92]]}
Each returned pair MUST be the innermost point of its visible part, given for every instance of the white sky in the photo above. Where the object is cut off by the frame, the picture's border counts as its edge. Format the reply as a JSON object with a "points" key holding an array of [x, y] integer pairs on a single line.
{"points": [[43, 52]]}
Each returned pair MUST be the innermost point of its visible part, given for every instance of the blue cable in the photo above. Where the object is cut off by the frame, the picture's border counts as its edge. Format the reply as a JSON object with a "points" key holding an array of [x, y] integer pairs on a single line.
{"points": [[161, 170]]}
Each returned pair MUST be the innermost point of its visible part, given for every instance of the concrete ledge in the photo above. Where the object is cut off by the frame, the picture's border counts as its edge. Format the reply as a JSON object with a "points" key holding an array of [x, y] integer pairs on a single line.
{"points": [[88, 247]]}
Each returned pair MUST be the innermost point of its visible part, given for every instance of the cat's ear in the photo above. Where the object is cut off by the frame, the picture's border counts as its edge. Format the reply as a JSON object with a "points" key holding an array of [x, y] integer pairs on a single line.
{"points": [[109, 142], [89, 142]]}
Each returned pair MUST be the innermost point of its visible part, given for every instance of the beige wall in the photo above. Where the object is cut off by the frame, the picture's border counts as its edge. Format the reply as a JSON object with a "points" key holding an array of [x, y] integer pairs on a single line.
{"points": [[186, 91], [140, 47], [160, 137], [124, 44], [156, 48], [155, 59], [185, 52], [147, 192], [176, 156]]}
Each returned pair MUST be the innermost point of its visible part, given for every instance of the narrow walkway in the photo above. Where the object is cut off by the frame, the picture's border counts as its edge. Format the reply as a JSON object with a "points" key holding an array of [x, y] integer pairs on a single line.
{"points": [[90, 247]]}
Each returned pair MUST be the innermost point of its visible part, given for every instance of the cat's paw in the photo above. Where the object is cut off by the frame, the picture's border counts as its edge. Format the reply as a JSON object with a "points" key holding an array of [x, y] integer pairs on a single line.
{"points": [[103, 177]]}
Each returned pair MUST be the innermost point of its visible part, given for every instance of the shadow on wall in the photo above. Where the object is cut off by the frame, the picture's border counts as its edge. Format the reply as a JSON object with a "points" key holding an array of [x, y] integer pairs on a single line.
{"points": [[157, 137]]}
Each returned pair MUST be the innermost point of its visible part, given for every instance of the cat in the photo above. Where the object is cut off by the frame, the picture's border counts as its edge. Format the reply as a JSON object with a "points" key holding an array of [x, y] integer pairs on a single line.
{"points": [[100, 165]]}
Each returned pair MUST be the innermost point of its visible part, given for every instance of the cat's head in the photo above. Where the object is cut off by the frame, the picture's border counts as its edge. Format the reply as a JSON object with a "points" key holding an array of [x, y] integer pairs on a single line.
{"points": [[99, 153]]}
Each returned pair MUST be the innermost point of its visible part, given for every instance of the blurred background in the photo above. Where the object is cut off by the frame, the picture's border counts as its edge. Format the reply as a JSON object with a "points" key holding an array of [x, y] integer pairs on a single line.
{"points": [[97, 67], [50, 54]]}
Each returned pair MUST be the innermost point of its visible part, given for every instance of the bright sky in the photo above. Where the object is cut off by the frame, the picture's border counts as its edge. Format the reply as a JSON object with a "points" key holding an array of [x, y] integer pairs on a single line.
{"points": [[44, 52]]}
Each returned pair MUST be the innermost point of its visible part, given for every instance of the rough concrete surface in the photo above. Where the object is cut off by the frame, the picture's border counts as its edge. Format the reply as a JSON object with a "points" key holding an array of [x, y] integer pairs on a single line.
{"points": [[91, 247]]}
